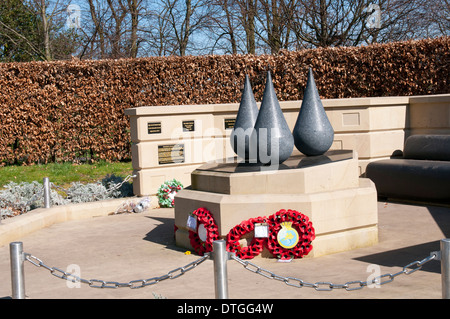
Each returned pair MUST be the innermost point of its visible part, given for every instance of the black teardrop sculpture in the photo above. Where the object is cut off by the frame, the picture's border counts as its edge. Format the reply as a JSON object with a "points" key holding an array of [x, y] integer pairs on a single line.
{"points": [[313, 133], [273, 136], [245, 121]]}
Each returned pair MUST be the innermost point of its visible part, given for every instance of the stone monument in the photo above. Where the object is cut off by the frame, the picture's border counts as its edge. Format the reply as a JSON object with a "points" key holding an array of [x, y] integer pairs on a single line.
{"points": [[245, 123], [313, 133], [322, 184], [273, 136]]}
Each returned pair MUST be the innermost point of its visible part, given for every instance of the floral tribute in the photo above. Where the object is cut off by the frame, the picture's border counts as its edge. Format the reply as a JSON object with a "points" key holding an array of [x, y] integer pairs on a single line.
{"points": [[303, 227], [204, 218], [166, 193], [290, 235], [256, 245]]}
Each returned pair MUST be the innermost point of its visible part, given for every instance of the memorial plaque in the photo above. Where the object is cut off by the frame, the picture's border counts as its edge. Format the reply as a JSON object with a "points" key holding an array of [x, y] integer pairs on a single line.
{"points": [[229, 123], [188, 126], [171, 154], [154, 127]]}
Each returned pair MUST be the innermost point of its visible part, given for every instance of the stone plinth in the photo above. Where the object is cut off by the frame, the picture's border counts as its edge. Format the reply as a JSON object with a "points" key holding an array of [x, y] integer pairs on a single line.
{"points": [[297, 175], [341, 206]]}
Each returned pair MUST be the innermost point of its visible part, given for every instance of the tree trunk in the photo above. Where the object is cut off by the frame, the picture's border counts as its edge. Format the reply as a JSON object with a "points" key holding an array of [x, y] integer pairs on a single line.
{"points": [[248, 9], [230, 27], [99, 29], [45, 29], [133, 6], [187, 29]]}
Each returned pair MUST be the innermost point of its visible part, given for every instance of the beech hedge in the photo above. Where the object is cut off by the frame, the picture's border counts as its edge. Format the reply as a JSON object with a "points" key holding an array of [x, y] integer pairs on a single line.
{"points": [[72, 110]]}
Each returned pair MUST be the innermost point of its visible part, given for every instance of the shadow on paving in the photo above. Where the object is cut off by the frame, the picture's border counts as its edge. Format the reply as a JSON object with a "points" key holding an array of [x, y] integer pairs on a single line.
{"points": [[164, 233], [442, 217], [404, 256]]}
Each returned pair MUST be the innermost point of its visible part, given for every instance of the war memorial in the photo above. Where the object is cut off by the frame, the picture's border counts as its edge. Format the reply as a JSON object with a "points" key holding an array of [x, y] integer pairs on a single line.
{"points": [[269, 202], [281, 181]]}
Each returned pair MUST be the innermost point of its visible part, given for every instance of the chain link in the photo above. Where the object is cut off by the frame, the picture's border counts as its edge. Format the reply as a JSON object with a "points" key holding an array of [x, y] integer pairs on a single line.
{"points": [[133, 284], [328, 286], [290, 281]]}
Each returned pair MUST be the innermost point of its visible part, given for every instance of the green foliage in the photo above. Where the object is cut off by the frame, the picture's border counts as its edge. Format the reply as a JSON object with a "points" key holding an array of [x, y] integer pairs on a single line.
{"points": [[64, 173], [18, 34], [22, 33]]}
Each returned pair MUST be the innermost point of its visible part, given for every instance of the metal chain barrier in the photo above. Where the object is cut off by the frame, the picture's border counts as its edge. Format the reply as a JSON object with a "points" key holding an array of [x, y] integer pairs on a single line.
{"points": [[220, 257], [328, 286], [133, 284]]}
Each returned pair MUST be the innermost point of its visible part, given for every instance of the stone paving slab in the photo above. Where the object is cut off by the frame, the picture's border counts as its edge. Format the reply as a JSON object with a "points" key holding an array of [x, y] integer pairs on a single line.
{"points": [[127, 247]]}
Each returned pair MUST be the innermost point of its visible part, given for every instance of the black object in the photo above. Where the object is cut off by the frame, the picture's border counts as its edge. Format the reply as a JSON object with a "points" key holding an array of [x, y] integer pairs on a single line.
{"points": [[422, 173]]}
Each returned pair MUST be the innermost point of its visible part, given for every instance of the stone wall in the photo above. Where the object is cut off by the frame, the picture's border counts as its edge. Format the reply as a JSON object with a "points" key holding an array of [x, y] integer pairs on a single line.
{"points": [[171, 141]]}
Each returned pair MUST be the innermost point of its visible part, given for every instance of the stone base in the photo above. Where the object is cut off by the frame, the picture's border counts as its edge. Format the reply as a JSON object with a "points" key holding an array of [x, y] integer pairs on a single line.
{"points": [[341, 206]]}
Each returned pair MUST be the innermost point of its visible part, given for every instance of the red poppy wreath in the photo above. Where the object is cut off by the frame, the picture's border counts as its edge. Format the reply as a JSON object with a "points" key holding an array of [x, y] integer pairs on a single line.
{"points": [[204, 219], [296, 223], [237, 232]]}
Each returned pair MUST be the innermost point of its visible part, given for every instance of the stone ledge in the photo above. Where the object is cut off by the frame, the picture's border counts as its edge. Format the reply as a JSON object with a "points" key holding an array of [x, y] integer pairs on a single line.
{"points": [[300, 174], [13, 229]]}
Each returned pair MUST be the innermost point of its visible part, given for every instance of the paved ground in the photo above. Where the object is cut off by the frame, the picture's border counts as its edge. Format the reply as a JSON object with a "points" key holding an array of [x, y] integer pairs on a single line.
{"points": [[129, 247]]}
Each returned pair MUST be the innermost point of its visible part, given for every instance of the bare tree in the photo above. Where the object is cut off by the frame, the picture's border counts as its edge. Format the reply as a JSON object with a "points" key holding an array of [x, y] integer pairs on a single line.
{"points": [[45, 29], [321, 23], [224, 26], [413, 19], [118, 14], [248, 16], [98, 34], [400, 20], [113, 30], [132, 28], [185, 18], [274, 23], [156, 30], [134, 9], [439, 17]]}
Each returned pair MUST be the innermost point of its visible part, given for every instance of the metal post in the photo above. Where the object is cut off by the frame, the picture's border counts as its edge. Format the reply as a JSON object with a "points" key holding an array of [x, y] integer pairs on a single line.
{"points": [[46, 192], [17, 272], [445, 268], [221, 257]]}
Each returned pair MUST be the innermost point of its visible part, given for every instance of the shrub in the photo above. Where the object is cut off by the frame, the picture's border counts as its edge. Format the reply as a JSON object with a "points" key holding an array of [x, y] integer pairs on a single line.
{"points": [[16, 199], [64, 110]]}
